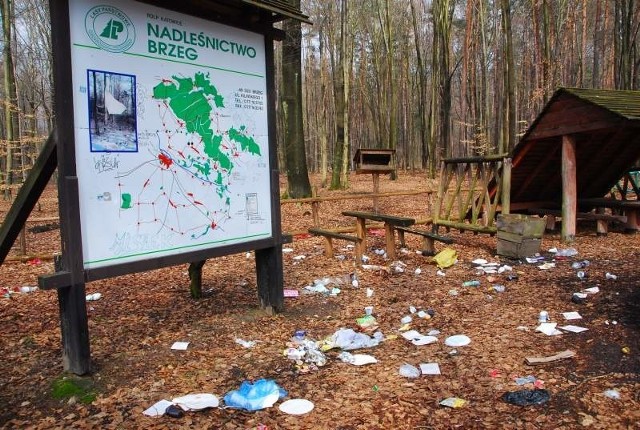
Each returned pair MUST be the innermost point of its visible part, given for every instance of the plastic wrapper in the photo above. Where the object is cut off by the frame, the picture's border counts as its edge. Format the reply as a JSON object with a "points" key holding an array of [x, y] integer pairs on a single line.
{"points": [[261, 394]]}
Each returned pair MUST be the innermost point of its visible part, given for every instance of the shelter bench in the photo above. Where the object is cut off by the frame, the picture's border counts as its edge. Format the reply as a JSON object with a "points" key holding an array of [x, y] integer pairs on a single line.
{"points": [[629, 207], [428, 239], [602, 220], [391, 222], [329, 235]]}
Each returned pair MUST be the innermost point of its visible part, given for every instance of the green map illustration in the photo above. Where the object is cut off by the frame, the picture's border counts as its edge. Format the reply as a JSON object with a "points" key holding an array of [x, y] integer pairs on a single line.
{"points": [[195, 155]]}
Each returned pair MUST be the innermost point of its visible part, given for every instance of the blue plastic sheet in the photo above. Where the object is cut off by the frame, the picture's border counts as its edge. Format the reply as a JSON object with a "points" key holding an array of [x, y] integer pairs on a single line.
{"points": [[261, 394]]}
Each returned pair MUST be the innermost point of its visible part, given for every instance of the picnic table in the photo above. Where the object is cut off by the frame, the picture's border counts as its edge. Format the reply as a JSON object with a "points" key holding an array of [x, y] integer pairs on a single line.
{"points": [[390, 224]]}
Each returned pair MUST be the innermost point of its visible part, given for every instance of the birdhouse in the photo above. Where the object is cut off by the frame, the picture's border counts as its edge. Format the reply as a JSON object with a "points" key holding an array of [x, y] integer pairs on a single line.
{"points": [[374, 160]]}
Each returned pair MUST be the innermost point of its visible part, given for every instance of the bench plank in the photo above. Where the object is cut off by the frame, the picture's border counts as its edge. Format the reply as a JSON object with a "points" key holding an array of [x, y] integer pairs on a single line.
{"points": [[391, 219], [329, 235], [428, 239]]}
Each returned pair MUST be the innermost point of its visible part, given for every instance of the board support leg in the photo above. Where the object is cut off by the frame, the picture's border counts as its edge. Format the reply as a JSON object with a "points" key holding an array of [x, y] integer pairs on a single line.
{"points": [[270, 278]]}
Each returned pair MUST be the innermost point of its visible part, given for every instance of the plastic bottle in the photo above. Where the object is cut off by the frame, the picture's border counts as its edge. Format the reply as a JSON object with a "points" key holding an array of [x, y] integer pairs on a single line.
{"points": [[543, 317], [471, 283]]}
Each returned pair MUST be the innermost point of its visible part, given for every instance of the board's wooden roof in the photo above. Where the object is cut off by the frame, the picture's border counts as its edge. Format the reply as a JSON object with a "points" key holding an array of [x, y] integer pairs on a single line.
{"points": [[236, 12], [606, 127]]}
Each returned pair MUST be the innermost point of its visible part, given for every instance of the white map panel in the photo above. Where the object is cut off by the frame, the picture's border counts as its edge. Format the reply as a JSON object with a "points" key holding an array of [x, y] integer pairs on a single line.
{"points": [[171, 135]]}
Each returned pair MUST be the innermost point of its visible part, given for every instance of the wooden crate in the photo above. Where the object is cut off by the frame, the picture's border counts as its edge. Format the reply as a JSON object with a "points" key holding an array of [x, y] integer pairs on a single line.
{"points": [[518, 235]]}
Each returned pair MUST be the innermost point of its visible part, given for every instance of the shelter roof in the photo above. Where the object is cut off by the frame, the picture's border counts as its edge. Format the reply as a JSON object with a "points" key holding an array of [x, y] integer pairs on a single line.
{"points": [[605, 125]]}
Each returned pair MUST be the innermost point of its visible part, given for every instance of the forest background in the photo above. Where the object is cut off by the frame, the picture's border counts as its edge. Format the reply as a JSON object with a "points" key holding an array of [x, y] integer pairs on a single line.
{"points": [[428, 78]]}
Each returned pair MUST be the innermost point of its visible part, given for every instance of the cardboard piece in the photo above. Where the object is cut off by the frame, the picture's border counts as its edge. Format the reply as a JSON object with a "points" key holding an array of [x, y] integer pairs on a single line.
{"points": [[559, 356]]}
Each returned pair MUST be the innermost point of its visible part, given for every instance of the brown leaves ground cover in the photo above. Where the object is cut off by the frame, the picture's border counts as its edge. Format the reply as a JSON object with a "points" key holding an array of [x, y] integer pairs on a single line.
{"points": [[139, 316]]}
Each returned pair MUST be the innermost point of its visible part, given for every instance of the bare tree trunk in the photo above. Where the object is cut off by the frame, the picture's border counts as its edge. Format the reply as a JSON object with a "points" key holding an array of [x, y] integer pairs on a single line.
{"points": [[291, 108], [509, 123], [11, 98], [597, 45], [339, 100], [422, 92]]}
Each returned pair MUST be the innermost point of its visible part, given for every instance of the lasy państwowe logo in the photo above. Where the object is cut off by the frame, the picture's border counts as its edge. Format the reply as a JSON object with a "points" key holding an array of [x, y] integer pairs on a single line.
{"points": [[110, 28]]}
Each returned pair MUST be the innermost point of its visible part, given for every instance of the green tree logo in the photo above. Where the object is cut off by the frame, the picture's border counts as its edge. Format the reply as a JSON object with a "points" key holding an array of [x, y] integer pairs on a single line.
{"points": [[110, 28]]}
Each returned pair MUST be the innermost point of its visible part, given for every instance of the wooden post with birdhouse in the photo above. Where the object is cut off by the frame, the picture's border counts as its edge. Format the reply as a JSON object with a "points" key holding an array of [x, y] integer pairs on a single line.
{"points": [[375, 162]]}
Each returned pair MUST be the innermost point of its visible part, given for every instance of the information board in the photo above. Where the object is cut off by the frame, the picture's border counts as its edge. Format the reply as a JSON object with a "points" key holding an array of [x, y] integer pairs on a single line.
{"points": [[171, 134]]}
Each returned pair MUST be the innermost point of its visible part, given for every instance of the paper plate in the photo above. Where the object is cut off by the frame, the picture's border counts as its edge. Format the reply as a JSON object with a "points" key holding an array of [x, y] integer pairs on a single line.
{"points": [[296, 406], [457, 340], [196, 402], [424, 340], [362, 359]]}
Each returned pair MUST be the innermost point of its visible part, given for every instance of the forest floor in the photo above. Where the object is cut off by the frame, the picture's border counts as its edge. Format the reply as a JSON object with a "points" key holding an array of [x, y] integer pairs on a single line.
{"points": [[138, 318]]}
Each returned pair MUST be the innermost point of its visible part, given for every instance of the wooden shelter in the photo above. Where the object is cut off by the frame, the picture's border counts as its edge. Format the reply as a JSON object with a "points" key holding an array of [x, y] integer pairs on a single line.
{"points": [[375, 162], [581, 144]]}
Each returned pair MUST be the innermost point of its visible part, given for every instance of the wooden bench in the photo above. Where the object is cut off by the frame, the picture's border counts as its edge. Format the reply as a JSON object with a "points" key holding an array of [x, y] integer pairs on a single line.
{"points": [[629, 207], [328, 241], [602, 219], [428, 239], [391, 222]]}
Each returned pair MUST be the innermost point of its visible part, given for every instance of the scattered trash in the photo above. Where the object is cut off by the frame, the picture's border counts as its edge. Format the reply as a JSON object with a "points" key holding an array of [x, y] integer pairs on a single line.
{"points": [[418, 338], [579, 298], [196, 402], [453, 402], [581, 274], [158, 408], [376, 268], [367, 322], [498, 288], [369, 292], [287, 250], [568, 252], [512, 277], [174, 411], [296, 406], [453, 292], [457, 340], [592, 290], [299, 257], [180, 346], [379, 251], [412, 309], [571, 315], [441, 273], [406, 319], [245, 343], [409, 371], [398, 266], [505, 268], [357, 359], [291, 293], [471, 283], [526, 397], [626, 350], [610, 276], [430, 368], [347, 340], [573, 328], [549, 329], [495, 373], [547, 266], [480, 261], [559, 356], [261, 394], [365, 259], [418, 271], [93, 297], [612, 394], [27, 289], [543, 317], [580, 264], [446, 258], [525, 380], [368, 310]]}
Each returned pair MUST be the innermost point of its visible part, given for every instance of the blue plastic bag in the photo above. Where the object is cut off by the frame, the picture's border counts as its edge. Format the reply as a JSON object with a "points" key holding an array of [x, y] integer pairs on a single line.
{"points": [[263, 393]]}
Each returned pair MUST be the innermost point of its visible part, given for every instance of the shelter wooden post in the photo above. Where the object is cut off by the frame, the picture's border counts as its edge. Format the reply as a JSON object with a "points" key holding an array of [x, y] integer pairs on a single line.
{"points": [[506, 186], [569, 189]]}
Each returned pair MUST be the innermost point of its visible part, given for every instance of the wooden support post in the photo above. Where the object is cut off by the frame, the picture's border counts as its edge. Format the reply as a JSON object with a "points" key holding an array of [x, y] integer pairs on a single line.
{"points": [[551, 223], [428, 247], [23, 241], [569, 189], [632, 219], [195, 278], [390, 244], [376, 190], [361, 232], [506, 186], [315, 209], [403, 244], [328, 247], [270, 280], [601, 225]]}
